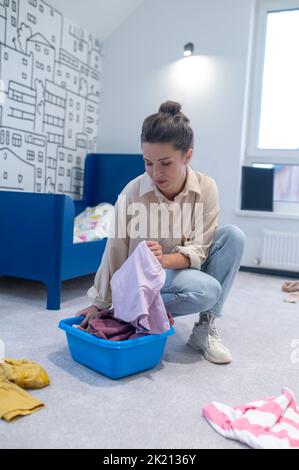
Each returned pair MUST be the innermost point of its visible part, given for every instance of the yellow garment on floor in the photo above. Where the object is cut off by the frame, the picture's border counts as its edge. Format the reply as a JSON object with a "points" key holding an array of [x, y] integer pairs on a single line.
{"points": [[16, 402], [14, 374], [25, 373]]}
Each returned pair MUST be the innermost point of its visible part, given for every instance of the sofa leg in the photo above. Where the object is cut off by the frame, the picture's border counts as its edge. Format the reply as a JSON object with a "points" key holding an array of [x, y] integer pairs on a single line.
{"points": [[53, 295]]}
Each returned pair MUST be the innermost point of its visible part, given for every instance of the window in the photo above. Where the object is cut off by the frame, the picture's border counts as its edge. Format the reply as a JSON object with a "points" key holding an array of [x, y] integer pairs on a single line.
{"points": [[39, 65], [30, 155], [272, 136], [13, 21], [13, 6], [16, 140], [31, 18]]}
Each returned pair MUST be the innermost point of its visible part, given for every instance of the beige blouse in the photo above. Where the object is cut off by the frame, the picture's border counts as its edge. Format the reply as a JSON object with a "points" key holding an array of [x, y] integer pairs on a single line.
{"points": [[200, 191]]}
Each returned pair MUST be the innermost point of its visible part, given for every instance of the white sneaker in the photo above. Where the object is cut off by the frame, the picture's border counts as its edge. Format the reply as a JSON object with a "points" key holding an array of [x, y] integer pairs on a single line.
{"points": [[205, 338]]}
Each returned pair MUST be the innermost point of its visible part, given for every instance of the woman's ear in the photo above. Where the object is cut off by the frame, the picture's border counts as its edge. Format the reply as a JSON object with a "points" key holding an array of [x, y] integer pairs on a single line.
{"points": [[188, 155]]}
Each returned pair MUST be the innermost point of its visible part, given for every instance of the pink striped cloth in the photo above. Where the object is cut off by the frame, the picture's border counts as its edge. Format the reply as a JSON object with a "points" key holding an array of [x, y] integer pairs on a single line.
{"points": [[271, 423]]}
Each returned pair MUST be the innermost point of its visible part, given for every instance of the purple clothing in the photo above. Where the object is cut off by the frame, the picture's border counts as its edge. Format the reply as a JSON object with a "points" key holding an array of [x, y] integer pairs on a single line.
{"points": [[136, 297], [105, 326]]}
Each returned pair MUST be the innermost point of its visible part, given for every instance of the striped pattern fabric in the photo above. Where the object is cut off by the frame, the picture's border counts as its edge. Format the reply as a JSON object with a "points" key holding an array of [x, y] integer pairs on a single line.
{"points": [[271, 423]]}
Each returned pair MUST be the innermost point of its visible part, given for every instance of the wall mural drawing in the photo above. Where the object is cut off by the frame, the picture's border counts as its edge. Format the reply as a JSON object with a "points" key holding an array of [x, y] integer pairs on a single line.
{"points": [[50, 72]]}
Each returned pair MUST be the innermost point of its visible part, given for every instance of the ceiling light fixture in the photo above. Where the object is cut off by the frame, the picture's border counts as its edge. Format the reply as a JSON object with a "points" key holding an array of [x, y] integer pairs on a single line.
{"points": [[188, 49]]}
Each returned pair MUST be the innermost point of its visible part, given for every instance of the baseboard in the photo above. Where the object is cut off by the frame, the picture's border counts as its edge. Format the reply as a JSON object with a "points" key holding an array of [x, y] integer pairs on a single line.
{"points": [[273, 272]]}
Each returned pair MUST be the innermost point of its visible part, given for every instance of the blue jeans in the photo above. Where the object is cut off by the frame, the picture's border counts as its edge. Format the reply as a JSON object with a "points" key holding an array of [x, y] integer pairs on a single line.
{"points": [[189, 290]]}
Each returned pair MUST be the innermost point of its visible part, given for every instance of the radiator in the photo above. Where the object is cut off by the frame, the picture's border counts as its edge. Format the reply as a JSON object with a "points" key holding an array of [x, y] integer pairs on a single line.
{"points": [[280, 250]]}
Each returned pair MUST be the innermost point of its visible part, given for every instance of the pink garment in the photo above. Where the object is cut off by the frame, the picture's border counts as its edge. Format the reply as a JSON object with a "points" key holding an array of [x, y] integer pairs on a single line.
{"points": [[293, 288], [271, 423], [136, 296]]}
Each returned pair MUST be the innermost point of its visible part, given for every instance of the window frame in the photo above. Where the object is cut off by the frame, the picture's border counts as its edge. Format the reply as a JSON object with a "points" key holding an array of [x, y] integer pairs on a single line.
{"points": [[252, 153]]}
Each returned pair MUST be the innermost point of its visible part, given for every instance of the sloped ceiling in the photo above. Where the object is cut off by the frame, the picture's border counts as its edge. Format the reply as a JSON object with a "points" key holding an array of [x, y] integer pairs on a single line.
{"points": [[99, 17]]}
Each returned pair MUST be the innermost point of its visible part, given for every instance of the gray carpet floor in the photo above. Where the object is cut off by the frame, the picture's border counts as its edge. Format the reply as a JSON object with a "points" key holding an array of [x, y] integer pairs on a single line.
{"points": [[159, 408]]}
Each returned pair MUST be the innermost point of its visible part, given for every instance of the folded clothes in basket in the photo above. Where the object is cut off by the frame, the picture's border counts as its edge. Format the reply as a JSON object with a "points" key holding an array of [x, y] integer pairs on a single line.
{"points": [[106, 326]]}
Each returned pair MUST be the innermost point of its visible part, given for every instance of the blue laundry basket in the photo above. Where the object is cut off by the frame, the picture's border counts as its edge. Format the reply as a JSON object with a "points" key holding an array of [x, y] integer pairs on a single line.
{"points": [[115, 359]]}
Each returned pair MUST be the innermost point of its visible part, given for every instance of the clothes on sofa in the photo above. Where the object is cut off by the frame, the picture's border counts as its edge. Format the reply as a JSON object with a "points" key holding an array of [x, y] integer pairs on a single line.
{"points": [[136, 296], [14, 374], [93, 223], [293, 288], [271, 423]]}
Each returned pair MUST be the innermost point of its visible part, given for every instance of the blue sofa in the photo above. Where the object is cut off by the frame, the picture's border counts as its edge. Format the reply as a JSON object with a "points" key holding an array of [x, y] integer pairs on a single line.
{"points": [[36, 233]]}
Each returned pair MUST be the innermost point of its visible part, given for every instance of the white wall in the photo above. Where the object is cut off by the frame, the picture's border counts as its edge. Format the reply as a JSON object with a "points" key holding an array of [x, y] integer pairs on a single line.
{"points": [[143, 67]]}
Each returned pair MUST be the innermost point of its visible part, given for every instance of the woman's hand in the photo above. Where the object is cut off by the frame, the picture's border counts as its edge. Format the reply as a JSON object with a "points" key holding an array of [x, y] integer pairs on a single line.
{"points": [[156, 249], [89, 312]]}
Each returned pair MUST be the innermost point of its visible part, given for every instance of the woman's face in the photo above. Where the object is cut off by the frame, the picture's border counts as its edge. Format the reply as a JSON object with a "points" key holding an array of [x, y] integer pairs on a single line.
{"points": [[166, 166]]}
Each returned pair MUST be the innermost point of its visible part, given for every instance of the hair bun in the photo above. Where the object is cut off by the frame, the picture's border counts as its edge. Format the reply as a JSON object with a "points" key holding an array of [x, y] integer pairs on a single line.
{"points": [[170, 107]]}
